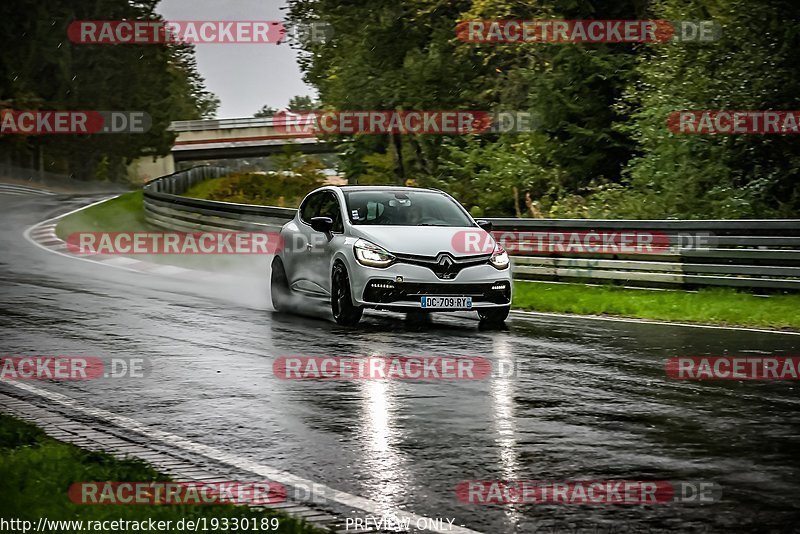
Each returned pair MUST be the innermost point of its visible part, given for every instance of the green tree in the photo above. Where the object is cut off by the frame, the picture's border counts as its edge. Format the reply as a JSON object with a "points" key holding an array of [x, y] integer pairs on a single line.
{"points": [[41, 69], [572, 88], [265, 111], [301, 103], [754, 65]]}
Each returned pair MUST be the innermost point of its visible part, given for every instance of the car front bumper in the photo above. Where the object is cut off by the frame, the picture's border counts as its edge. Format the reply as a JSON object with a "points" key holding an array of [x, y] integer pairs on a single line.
{"points": [[402, 285]]}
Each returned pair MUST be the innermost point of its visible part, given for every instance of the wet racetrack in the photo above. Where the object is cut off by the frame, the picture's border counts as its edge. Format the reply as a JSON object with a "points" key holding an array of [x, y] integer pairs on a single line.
{"points": [[590, 399]]}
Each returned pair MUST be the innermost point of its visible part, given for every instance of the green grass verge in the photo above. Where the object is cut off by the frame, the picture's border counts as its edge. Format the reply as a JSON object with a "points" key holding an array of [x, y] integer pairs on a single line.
{"points": [[38, 471], [125, 213], [719, 306]]}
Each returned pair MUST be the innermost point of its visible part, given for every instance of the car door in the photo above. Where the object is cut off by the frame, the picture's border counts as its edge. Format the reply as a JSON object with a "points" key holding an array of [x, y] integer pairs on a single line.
{"points": [[299, 258], [323, 247]]}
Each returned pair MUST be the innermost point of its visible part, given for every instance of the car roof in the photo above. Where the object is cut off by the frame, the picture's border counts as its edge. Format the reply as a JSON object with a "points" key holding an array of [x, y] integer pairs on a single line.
{"points": [[384, 188]]}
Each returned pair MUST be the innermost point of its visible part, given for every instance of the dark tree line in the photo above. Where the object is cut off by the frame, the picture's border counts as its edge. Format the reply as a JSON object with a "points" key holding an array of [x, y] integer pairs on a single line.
{"points": [[41, 69]]}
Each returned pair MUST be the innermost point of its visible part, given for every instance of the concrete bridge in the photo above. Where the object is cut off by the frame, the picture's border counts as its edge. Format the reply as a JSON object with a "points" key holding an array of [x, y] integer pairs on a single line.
{"points": [[225, 138]]}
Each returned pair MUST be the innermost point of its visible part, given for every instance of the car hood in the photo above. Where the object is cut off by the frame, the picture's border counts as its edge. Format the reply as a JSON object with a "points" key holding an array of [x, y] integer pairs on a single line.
{"points": [[425, 240]]}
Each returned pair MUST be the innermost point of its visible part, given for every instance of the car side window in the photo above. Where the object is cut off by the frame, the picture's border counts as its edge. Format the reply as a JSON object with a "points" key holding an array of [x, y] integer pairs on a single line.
{"points": [[310, 207], [330, 208]]}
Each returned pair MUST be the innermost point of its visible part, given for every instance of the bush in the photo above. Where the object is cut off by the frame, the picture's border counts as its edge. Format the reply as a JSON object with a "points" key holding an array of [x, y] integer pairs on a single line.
{"points": [[282, 189]]}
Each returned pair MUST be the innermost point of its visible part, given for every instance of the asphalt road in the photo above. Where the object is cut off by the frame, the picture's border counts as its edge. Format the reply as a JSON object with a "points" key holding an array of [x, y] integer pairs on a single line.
{"points": [[590, 401]]}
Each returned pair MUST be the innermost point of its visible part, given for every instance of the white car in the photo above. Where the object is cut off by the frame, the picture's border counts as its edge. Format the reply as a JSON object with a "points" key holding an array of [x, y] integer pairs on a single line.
{"points": [[390, 248]]}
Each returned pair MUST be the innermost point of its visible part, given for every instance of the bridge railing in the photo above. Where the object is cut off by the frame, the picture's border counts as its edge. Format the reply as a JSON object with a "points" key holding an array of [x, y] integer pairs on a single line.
{"points": [[219, 124], [285, 119], [688, 253]]}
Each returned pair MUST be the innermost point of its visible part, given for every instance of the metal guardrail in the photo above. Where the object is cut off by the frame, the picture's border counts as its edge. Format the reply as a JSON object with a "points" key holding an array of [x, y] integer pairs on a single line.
{"points": [[737, 253], [165, 207], [54, 181]]}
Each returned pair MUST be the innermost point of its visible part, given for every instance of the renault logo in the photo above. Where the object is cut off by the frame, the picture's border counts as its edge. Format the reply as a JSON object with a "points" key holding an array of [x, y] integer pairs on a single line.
{"points": [[444, 260]]}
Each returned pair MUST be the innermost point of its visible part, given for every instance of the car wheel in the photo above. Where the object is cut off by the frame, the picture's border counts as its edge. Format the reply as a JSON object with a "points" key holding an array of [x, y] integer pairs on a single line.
{"points": [[344, 311], [279, 286], [494, 316]]}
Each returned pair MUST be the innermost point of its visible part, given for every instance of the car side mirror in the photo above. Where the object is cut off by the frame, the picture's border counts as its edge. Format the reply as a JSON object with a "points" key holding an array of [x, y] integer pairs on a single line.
{"points": [[486, 225], [322, 224]]}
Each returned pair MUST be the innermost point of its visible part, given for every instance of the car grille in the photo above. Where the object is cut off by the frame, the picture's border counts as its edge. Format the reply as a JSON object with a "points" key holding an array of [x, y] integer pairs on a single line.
{"points": [[389, 291], [444, 265]]}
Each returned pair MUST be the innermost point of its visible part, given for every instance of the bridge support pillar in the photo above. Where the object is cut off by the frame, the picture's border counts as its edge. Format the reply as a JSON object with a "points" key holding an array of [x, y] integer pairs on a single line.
{"points": [[148, 168]]}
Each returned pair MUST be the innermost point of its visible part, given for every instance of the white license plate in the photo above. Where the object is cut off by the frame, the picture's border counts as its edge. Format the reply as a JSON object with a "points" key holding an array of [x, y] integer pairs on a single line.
{"points": [[453, 303]]}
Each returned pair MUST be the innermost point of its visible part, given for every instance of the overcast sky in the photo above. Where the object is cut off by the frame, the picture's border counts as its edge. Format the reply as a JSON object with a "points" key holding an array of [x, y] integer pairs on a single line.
{"points": [[243, 76]]}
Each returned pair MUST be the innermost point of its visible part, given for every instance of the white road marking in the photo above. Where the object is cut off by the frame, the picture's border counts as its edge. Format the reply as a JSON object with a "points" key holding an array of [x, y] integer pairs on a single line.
{"points": [[283, 477], [28, 235]]}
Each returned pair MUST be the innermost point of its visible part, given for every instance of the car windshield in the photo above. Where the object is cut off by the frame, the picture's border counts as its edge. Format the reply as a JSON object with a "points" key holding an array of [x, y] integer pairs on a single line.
{"points": [[404, 208]]}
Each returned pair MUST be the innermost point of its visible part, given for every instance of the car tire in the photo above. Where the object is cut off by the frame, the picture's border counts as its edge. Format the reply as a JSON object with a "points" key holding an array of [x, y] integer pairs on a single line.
{"points": [[279, 286], [494, 316], [344, 311]]}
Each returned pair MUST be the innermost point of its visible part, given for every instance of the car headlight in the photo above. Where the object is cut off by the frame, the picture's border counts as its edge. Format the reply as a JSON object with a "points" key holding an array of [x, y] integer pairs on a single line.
{"points": [[372, 255], [499, 259]]}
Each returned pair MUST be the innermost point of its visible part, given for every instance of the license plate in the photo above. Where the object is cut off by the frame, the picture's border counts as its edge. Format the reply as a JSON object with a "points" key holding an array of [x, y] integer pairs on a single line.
{"points": [[453, 303]]}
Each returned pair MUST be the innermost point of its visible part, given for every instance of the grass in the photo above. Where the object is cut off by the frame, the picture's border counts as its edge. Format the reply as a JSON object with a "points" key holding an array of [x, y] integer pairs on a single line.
{"points": [[125, 213], [38, 470], [719, 306], [206, 189]]}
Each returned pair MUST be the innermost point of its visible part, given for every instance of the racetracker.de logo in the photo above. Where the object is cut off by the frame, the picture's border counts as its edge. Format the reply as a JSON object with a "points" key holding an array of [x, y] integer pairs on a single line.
{"points": [[112, 243], [522, 242], [383, 368], [734, 368], [180, 31], [49, 122], [142, 32], [734, 122], [586, 31], [71, 367], [587, 492], [177, 493], [407, 122]]}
